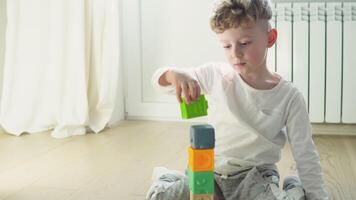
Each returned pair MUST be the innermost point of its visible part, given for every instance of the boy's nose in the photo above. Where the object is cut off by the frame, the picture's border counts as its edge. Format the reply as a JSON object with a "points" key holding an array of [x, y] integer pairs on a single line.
{"points": [[237, 56], [237, 53]]}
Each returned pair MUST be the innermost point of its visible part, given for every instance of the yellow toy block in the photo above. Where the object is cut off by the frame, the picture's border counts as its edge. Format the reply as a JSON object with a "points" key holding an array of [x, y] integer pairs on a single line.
{"points": [[201, 159], [201, 196]]}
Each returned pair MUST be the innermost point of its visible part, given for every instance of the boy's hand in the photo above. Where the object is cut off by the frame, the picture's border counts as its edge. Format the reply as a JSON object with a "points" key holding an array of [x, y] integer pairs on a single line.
{"points": [[185, 86]]}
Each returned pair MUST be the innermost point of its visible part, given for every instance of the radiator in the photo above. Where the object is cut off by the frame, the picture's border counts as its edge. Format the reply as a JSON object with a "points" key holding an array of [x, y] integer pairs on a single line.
{"points": [[316, 50]]}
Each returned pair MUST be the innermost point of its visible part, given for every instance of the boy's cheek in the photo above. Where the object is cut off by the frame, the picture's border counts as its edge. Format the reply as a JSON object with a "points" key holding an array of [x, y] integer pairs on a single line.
{"points": [[257, 54]]}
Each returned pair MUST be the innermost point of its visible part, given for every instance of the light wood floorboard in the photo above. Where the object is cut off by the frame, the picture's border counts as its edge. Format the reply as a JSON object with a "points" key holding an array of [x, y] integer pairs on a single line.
{"points": [[117, 164]]}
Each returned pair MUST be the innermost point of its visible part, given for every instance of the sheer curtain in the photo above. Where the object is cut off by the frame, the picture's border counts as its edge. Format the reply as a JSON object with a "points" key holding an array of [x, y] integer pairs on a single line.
{"points": [[2, 36], [61, 69]]}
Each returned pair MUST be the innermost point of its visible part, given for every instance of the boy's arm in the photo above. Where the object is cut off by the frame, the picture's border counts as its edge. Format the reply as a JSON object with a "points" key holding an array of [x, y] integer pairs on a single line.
{"points": [[184, 81], [160, 82], [304, 150], [185, 84]]}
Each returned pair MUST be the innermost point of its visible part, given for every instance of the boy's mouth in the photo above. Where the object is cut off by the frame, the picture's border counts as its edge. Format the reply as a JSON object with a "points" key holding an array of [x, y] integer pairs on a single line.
{"points": [[239, 64]]}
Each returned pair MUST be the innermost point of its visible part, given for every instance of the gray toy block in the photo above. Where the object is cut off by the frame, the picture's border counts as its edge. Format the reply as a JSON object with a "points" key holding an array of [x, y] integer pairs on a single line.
{"points": [[202, 136]]}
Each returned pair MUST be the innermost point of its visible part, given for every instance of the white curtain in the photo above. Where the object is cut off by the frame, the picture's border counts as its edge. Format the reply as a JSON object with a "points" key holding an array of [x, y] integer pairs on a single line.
{"points": [[61, 66]]}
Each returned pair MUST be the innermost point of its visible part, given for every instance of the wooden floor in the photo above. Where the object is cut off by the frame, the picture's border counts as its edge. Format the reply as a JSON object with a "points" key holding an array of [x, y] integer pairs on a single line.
{"points": [[117, 163]]}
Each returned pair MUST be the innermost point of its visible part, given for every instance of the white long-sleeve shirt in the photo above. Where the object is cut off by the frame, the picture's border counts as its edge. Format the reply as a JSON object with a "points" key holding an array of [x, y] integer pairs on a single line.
{"points": [[251, 125]]}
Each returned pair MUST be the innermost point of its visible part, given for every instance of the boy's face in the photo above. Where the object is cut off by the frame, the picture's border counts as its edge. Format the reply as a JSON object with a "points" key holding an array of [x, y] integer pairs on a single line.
{"points": [[246, 46]]}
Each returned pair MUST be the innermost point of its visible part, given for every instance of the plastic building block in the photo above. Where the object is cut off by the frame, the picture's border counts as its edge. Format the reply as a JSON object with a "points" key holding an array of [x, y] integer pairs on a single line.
{"points": [[201, 196], [201, 159], [194, 109], [202, 136], [201, 182]]}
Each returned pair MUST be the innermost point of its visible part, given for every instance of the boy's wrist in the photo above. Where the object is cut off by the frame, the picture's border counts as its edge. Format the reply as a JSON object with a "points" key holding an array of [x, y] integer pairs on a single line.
{"points": [[170, 76], [166, 78]]}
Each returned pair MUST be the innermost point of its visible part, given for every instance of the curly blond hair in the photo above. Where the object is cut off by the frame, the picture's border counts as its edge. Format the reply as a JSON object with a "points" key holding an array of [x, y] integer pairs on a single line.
{"points": [[234, 13]]}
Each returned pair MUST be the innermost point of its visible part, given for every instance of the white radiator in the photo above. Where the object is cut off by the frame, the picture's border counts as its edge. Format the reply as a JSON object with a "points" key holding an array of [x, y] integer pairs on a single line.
{"points": [[316, 49]]}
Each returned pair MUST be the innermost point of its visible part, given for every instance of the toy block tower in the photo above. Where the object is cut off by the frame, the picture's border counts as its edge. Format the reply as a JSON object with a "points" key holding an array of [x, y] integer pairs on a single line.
{"points": [[201, 162], [195, 109]]}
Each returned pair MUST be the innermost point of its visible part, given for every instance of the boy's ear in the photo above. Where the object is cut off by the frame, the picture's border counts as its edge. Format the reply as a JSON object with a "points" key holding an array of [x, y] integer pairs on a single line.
{"points": [[272, 37]]}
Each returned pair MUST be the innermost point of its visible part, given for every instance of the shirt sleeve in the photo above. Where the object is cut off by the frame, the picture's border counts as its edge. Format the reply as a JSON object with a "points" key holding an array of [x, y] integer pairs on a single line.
{"points": [[304, 150], [203, 74]]}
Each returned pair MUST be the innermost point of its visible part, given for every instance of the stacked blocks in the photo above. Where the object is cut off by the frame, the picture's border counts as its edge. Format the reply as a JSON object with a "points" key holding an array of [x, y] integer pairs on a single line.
{"points": [[201, 162], [194, 109]]}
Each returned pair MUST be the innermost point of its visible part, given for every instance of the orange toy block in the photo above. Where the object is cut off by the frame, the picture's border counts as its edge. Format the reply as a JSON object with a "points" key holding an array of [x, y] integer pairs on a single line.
{"points": [[201, 196], [201, 159]]}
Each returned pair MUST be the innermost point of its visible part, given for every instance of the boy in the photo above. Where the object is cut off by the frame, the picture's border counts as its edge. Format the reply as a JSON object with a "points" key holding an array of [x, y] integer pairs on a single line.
{"points": [[254, 111]]}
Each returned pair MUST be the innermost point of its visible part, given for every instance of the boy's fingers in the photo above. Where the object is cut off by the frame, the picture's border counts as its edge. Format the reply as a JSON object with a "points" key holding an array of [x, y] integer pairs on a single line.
{"points": [[185, 91], [179, 94], [198, 90], [192, 90]]}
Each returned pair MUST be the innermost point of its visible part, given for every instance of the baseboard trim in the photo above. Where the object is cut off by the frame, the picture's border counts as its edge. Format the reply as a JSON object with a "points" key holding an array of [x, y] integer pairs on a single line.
{"points": [[334, 129], [318, 128]]}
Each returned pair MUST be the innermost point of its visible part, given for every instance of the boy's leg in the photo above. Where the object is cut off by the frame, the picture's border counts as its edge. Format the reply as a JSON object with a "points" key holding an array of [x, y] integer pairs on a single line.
{"points": [[262, 183], [218, 194], [258, 183], [229, 185], [168, 185]]}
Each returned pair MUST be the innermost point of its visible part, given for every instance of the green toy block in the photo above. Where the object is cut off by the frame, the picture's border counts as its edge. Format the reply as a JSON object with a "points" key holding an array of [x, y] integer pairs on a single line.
{"points": [[201, 182], [194, 109]]}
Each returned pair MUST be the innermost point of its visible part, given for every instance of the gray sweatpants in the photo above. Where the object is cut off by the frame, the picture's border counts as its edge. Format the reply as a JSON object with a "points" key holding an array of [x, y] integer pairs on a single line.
{"points": [[257, 183]]}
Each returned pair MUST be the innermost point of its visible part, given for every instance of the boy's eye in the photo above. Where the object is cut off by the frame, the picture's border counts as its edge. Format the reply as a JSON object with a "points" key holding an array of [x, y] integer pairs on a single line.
{"points": [[245, 43], [226, 46]]}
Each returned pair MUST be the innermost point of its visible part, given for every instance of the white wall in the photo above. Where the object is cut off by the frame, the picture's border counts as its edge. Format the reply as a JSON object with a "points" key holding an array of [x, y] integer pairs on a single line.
{"points": [[160, 33]]}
